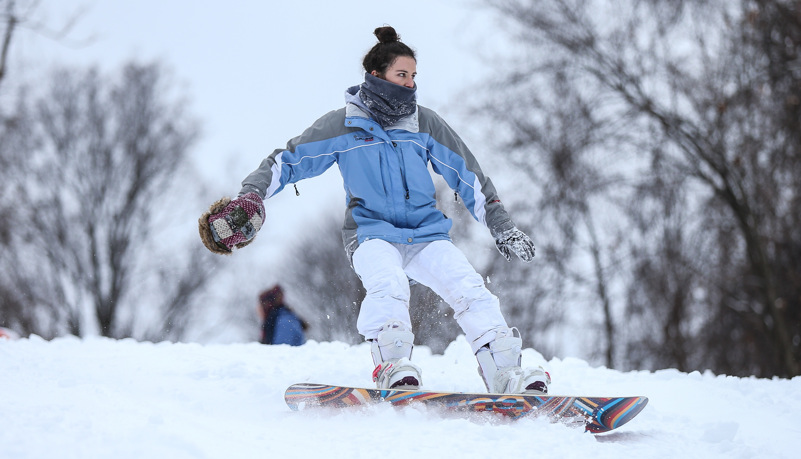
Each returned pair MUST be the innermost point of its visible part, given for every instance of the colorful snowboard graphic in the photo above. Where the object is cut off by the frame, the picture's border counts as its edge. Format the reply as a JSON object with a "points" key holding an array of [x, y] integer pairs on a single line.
{"points": [[597, 414]]}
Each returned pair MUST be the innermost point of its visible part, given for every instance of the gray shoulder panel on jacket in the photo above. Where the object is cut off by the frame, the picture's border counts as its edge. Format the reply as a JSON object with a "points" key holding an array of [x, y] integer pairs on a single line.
{"points": [[328, 126]]}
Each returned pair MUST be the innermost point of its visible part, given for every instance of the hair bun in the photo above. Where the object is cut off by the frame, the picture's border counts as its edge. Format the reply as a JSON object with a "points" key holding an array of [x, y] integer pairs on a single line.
{"points": [[386, 34]]}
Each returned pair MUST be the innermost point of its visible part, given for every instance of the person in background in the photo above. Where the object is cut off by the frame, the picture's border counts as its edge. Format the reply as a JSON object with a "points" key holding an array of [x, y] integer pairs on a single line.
{"points": [[279, 324]]}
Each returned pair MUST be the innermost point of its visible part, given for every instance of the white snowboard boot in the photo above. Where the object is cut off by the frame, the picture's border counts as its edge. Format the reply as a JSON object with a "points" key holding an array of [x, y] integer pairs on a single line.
{"points": [[391, 352], [499, 366]]}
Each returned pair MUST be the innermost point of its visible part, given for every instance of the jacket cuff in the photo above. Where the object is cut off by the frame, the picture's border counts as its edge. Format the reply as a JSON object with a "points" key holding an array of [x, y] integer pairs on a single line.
{"points": [[250, 189], [501, 228]]}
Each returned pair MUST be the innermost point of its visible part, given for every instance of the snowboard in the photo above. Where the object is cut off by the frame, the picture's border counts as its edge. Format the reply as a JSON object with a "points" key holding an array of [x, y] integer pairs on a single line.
{"points": [[595, 414]]}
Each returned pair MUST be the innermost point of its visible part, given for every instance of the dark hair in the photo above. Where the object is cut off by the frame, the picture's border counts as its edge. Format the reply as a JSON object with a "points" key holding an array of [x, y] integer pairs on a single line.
{"points": [[272, 297], [384, 53]]}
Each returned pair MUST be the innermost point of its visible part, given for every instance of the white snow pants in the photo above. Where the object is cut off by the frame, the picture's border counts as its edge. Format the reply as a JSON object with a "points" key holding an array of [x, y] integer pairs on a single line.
{"points": [[383, 268]]}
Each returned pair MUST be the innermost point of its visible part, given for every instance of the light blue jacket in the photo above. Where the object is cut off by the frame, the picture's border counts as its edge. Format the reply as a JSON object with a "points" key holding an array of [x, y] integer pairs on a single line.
{"points": [[288, 329], [390, 193]]}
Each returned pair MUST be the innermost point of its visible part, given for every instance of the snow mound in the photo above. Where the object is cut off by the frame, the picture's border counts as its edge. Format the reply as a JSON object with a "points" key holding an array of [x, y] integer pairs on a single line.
{"points": [[99, 398]]}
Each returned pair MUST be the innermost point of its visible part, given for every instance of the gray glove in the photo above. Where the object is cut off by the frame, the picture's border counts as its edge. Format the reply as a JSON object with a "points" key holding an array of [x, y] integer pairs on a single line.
{"points": [[515, 241]]}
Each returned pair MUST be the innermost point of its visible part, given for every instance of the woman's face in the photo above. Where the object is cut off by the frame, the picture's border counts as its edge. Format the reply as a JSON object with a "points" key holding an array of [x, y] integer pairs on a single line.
{"points": [[400, 72]]}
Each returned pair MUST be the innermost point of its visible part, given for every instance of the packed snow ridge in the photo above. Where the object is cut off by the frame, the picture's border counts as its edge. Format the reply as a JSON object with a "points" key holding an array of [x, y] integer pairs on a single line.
{"points": [[103, 398]]}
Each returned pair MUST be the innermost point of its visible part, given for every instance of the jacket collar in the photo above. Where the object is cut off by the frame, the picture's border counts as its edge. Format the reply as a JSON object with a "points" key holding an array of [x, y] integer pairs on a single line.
{"points": [[355, 108]]}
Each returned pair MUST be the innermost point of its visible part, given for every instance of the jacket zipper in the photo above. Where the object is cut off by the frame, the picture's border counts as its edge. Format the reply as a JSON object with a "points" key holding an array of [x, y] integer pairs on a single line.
{"points": [[402, 168]]}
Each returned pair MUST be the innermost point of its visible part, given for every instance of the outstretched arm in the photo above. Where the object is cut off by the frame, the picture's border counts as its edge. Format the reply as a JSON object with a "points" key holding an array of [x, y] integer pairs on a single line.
{"points": [[234, 223]]}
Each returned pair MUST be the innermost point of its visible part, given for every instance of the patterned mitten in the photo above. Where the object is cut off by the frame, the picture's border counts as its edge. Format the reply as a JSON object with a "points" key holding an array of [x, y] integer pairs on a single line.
{"points": [[229, 224], [515, 241]]}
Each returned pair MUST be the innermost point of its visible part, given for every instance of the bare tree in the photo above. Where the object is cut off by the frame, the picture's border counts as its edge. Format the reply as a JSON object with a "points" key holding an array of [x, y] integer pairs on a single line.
{"points": [[16, 14], [688, 125], [559, 146], [91, 249], [9, 24]]}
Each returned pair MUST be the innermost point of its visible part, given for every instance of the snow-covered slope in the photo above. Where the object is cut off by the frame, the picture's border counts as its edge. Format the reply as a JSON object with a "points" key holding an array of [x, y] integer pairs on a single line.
{"points": [[100, 398]]}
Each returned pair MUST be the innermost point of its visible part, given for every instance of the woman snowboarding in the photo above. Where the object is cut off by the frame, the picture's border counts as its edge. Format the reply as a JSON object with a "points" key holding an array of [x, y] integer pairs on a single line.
{"points": [[383, 144]]}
